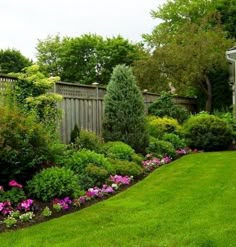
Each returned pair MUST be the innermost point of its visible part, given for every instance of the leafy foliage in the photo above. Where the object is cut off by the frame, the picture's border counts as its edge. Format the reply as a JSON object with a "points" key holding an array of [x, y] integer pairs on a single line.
{"points": [[88, 140], [124, 110], [79, 160], [14, 195], [54, 182], [161, 148], [85, 59], [12, 60], [23, 145], [31, 93], [187, 64], [165, 107], [125, 168], [157, 127], [93, 176], [117, 150], [175, 140], [207, 132]]}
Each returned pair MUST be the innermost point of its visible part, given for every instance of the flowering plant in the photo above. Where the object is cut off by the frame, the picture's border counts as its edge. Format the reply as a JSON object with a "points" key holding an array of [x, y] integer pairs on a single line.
{"points": [[13, 183], [27, 216], [9, 221], [119, 180], [5, 207], [62, 203], [183, 151], [25, 205], [152, 162]]}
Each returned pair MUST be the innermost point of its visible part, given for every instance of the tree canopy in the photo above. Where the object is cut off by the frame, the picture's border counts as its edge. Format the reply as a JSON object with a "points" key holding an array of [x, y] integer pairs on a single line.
{"points": [[187, 50], [87, 58], [12, 60]]}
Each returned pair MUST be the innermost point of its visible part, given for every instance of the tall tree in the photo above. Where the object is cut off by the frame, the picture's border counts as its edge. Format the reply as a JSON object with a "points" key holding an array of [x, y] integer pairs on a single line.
{"points": [[124, 110], [12, 60], [188, 61], [187, 50]]}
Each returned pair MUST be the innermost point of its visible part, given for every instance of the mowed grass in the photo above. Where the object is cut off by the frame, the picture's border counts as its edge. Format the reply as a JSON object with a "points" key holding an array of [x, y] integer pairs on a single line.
{"points": [[190, 202]]}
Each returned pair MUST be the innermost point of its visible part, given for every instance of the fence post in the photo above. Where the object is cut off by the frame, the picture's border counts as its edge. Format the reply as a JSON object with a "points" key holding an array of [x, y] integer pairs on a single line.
{"points": [[97, 117]]}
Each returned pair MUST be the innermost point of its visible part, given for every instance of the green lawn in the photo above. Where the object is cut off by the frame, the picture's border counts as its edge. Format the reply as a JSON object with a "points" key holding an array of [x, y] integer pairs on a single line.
{"points": [[190, 202]]}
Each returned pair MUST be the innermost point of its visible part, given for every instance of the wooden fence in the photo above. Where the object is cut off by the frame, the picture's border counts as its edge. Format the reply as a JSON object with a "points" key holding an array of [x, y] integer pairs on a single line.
{"points": [[83, 105]]}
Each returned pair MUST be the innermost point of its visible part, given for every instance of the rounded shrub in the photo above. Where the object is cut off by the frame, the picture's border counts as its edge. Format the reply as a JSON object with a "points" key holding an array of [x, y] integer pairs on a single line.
{"points": [[88, 140], [54, 182], [175, 140], [124, 110], [125, 168], [24, 145], [79, 161], [161, 148], [117, 150], [93, 176], [207, 132], [157, 127]]}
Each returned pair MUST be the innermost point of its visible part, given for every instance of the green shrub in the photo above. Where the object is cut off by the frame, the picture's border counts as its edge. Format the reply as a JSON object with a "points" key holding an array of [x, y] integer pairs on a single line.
{"points": [[93, 176], [229, 119], [61, 152], [125, 168], [79, 161], [161, 148], [75, 133], [117, 150], [157, 127], [175, 140], [14, 195], [124, 110], [207, 132], [165, 107], [23, 145], [54, 182], [88, 140], [137, 158]]}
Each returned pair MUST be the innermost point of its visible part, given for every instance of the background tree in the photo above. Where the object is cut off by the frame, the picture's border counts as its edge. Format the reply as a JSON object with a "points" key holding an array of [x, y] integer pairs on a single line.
{"points": [[227, 10], [124, 110], [12, 60], [194, 63], [87, 58], [48, 55]]}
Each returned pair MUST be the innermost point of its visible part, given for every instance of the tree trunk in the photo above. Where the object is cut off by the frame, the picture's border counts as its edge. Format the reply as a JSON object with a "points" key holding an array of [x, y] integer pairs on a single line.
{"points": [[209, 94]]}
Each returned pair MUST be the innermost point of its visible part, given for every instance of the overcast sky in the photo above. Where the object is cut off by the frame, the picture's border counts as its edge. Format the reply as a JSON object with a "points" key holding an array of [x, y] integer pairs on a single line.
{"points": [[23, 22]]}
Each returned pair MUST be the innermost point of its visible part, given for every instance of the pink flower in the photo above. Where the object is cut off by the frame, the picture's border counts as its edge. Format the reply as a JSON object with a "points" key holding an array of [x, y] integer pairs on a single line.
{"points": [[1, 206], [25, 205], [120, 180], [107, 189], [1, 188], [13, 183], [5, 207], [82, 199]]}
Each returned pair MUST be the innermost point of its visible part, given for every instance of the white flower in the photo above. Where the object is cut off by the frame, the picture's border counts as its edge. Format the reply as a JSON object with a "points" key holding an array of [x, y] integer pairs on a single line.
{"points": [[114, 186]]}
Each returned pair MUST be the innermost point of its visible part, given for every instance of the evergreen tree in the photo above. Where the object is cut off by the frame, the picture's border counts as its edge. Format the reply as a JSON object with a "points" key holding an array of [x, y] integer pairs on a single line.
{"points": [[124, 110]]}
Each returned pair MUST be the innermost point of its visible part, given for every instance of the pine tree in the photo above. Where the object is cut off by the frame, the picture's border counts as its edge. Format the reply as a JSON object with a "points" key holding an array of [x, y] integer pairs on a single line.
{"points": [[124, 110]]}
